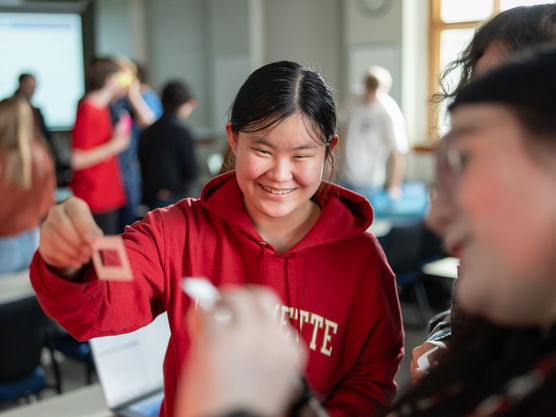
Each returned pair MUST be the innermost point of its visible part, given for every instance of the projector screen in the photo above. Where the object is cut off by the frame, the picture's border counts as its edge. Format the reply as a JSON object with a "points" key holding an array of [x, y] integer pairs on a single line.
{"points": [[50, 47]]}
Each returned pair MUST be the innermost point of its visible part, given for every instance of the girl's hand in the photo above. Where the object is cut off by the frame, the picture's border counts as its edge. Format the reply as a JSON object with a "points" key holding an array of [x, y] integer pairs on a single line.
{"points": [[67, 235]]}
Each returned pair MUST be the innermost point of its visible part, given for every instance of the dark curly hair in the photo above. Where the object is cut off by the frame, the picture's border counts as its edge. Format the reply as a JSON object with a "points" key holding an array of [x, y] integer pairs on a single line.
{"points": [[519, 28], [484, 356]]}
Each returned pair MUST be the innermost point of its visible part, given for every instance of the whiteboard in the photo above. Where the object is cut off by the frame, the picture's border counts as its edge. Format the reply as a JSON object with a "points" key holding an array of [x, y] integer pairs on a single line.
{"points": [[362, 56], [49, 46]]}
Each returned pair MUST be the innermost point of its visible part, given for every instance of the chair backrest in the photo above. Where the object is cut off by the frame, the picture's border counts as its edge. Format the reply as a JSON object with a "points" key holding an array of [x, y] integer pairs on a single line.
{"points": [[403, 247], [22, 335]]}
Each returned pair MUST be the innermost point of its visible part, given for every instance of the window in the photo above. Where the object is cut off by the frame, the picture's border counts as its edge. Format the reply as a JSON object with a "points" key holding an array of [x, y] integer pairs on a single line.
{"points": [[453, 23]]}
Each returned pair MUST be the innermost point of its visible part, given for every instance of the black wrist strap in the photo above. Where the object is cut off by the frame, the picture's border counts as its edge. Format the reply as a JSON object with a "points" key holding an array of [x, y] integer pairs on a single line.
{"points": [[303, 399], [241, 413]]}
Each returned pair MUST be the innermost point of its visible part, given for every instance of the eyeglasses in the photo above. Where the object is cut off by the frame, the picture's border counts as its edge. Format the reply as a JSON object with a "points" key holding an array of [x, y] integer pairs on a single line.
{"points": [[449, 166]]}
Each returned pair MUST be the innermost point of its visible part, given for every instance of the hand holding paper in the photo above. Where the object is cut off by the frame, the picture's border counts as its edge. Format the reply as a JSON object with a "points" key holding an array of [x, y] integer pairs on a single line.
{"points": [[67, 236], [70, 237]]}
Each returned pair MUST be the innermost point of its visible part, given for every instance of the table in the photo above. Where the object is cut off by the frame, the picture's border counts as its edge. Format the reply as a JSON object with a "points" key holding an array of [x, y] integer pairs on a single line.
{"points": [[83, 402], [443, 268], [15, 286]]}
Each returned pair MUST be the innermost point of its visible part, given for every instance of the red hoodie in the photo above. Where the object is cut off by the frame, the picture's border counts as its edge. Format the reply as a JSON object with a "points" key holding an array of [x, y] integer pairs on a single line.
{"points": [[336, 287]]}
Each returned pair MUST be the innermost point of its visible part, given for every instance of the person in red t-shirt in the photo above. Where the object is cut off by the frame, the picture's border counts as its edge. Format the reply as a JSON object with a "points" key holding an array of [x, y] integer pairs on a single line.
{"points": [[96, 174]]}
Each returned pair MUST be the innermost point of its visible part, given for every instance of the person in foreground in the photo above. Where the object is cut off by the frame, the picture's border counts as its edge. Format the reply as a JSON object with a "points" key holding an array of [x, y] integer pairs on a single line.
{"points": [[503, 139], [274, 222], [512, 31]]}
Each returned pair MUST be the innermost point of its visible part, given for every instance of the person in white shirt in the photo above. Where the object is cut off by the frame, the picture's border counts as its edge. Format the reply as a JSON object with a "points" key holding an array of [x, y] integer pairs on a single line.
{"points": [[375, 139]]}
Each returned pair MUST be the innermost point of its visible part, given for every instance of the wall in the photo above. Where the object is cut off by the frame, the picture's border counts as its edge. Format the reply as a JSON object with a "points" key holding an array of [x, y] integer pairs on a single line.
{"points": [[361, 27], [210, 44], [308, 32], [120, 28], [215, 44], [177, 40], [372, 40], [229, 61]]}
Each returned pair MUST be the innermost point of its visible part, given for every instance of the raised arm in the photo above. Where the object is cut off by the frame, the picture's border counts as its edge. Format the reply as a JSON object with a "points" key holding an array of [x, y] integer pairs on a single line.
{"points": [[68, 288], [81, 159]]}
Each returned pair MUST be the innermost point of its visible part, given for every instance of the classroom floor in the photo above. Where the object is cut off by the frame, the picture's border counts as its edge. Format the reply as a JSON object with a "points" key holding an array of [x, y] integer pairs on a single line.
{"points": [[74, 373]]}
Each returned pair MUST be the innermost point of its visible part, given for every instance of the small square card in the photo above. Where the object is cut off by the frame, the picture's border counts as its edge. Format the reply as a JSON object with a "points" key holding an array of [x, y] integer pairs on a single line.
{"points": [[110, 259], [202, 291]]}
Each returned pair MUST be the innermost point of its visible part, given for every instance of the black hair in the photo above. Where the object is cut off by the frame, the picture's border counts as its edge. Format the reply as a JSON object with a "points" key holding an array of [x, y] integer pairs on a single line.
{"points": [[174, 94], [23, 76], [526, 84], [279, 90], [518, 28], [98, 70]]}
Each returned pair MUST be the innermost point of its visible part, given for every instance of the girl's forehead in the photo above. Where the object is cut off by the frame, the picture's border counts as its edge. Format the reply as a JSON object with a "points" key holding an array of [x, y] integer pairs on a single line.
{"points": [[293, 130]]}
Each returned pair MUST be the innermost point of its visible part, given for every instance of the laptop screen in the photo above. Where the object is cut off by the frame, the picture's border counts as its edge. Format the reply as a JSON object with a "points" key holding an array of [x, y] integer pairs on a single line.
{"points": [[129, 366]]}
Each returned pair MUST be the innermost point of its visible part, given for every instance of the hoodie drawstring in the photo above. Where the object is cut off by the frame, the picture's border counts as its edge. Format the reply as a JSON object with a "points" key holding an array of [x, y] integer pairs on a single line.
{"points": [[293, 286], [288, 299], [298, 291], [292, 277]]}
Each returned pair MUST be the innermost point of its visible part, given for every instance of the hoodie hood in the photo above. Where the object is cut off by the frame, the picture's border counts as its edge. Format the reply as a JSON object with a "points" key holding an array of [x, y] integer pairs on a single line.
{"points": [[344, 214]]}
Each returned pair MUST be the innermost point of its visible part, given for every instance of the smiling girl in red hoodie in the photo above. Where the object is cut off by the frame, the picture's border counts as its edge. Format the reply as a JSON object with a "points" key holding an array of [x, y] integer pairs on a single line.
{"points": [[274, 222]]}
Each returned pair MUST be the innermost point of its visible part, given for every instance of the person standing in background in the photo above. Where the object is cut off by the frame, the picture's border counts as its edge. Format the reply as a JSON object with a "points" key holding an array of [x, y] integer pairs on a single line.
{"points": [[27, 184], [167, 150], [147, 93], [144, 107], [375, 138], [27, 85], [94, 146]]}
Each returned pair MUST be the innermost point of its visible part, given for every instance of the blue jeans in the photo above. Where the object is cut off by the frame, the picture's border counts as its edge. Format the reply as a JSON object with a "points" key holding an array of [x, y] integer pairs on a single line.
{"points": [[17, 251]]}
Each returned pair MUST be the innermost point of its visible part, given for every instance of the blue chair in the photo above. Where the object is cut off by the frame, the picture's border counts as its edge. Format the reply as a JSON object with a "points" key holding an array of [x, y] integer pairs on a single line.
{"points": [[25, 387], [411, 207], [23, 329]]}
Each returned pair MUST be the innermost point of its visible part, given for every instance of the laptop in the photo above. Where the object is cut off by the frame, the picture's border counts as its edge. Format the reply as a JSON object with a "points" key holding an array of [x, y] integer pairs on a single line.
{"points": [[129, 367]]}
